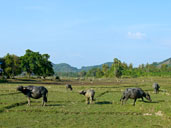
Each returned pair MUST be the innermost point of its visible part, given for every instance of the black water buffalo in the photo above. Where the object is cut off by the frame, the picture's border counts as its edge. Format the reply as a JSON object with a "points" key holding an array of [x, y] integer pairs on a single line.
{"points": [[134, 93], [68, 86], [89, 94], [156, 87], [34, 92]]}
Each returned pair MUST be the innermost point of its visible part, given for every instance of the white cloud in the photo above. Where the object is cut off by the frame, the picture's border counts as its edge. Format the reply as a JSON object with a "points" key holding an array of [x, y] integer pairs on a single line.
{"points": [[136, 35]]}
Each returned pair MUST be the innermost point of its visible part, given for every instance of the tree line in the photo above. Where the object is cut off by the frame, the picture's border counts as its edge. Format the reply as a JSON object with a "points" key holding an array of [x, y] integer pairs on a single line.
{"points": [[31, 63], [34, 63], [121, 69]]}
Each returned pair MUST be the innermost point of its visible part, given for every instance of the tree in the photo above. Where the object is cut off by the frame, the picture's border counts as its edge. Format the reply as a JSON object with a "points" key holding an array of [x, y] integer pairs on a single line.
{"points": [[105, 70], [34, 62], [99, 73], [118, 68], [2, 66], [12, 65], [29, 62], [92, 72], [46, 66], [164, 67], [118, 73], [130, 66], [82, 73]]}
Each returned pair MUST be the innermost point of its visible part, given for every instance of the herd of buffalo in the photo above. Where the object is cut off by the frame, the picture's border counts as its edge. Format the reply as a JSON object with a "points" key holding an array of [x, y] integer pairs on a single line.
{"points": [[37, 92]]}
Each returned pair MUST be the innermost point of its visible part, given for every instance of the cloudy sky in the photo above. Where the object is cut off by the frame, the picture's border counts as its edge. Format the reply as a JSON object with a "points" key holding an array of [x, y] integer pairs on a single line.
{"points": [[87, 32]]}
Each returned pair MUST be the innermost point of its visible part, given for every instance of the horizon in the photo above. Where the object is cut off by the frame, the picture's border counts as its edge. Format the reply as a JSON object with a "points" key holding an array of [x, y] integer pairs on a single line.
{"points": [[87, 33]]}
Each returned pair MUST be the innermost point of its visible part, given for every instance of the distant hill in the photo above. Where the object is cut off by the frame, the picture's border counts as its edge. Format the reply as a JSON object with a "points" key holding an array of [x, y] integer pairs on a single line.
{"points": [[63, 67], [167, 61], [86, 68]]}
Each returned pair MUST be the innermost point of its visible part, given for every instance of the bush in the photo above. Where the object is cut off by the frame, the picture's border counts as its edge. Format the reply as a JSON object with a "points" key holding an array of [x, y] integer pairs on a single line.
{"points": [[3, 79], [57, 78]]}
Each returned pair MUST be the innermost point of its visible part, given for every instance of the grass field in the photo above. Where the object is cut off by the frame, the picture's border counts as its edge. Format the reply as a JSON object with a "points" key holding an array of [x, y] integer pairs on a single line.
{"points": [[68, 109]]}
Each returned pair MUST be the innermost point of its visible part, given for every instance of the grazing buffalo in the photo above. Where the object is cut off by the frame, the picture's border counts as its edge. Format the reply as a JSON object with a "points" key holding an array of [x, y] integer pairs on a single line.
{"points": [[34, 92], [156, 87], [89, 94], [134, 93], [68, 86]]}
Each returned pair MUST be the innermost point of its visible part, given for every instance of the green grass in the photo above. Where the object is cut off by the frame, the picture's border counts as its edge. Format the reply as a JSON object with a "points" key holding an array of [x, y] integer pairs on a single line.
{"points": [[68, 109]]}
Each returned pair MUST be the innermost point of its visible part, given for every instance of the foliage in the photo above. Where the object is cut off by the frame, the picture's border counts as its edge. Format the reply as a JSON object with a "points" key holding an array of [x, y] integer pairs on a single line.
{"points": [[105, 70], [121, 69], [12, 65], [39, 64], [99, 73], [82, 73], [46, 66], [92, 72], [31, 62], [35, 63]]}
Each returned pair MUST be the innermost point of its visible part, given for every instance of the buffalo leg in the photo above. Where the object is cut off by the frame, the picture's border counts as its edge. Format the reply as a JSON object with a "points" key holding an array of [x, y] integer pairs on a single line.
{"points": [[43, 103], [87, 100], [157, 90], [134, 102], [125, 100], [91, 99], [28, 98], [44, 100], [122, 99]]}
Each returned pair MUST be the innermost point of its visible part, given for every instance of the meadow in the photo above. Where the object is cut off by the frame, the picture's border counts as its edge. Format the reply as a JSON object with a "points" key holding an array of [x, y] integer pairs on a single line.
{"points": [[67, 109]]}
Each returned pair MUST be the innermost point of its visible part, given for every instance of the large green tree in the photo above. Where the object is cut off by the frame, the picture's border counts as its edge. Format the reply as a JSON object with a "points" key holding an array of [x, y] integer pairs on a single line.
{"points": [[46, 66], [12, 65], [34, 62], [29, 62]]}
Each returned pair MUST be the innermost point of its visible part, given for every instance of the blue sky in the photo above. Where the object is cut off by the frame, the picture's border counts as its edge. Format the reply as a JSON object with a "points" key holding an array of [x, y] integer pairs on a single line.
{"points": [[87, 32]]}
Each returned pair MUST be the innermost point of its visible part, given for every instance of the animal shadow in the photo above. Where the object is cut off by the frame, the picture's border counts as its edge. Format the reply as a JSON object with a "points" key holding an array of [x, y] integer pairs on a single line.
{"points": [[54, 105], [153, 102], [158, 101], [103, 102]]}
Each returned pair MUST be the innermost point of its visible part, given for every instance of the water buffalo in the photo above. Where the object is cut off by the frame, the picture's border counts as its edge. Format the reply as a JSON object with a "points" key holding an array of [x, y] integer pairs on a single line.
{"points": [[134, 93], [68, 86], [156, 87], [34, 92], [89, 94]]}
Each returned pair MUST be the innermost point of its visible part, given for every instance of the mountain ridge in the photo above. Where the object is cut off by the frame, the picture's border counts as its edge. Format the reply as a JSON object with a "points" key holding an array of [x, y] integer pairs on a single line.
{"points": [[64, 67]]}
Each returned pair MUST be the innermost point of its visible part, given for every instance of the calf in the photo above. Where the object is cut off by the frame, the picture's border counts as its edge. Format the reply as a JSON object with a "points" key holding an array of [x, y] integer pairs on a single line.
{"points": [[89, 94], [68, 86], [134, 93], [34, 92], [156, 87]]}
